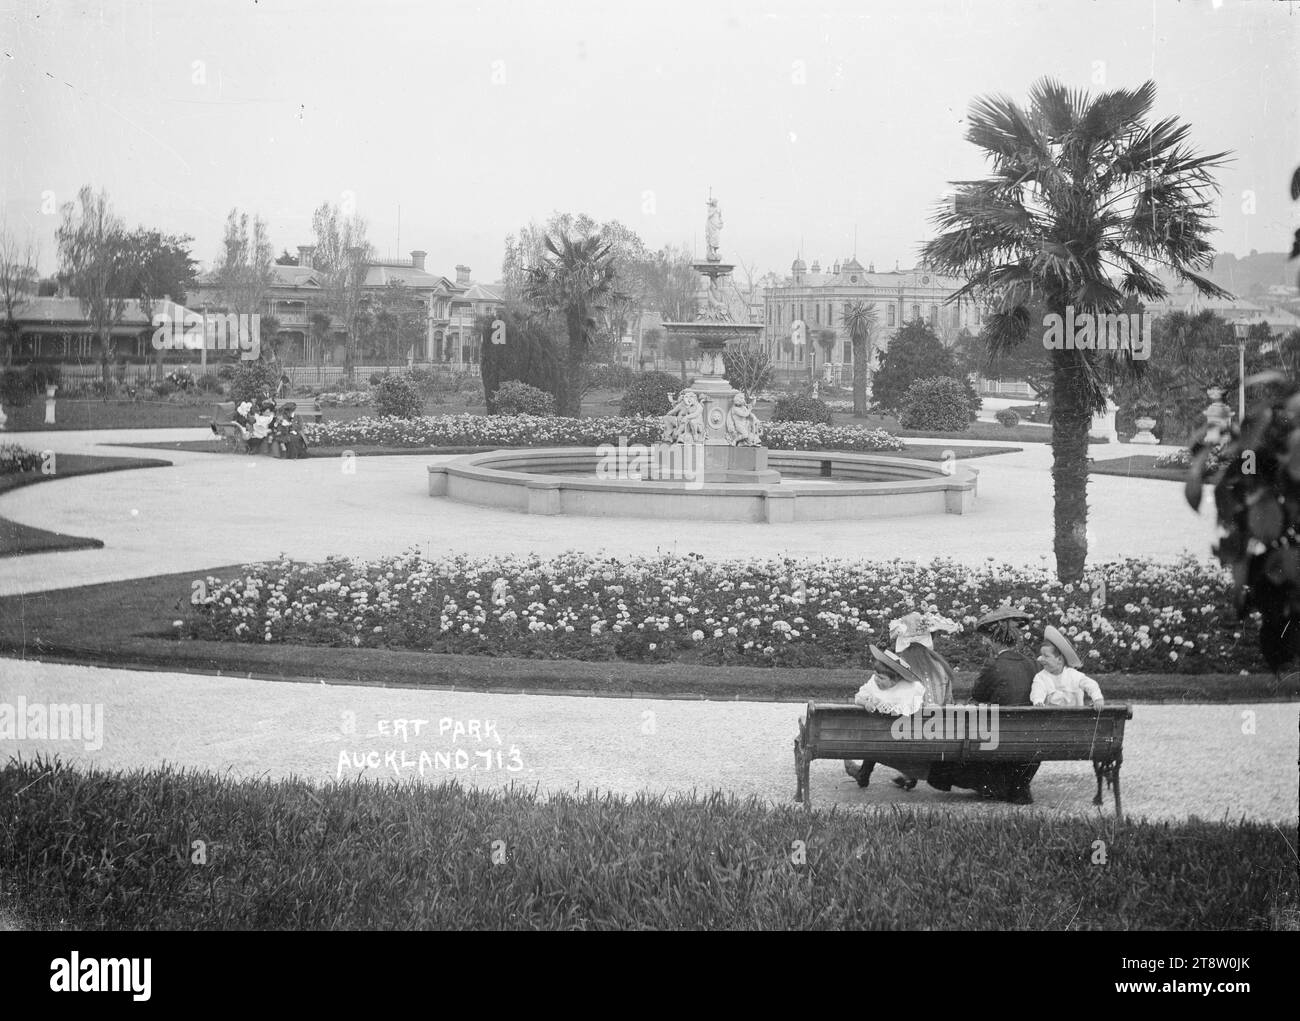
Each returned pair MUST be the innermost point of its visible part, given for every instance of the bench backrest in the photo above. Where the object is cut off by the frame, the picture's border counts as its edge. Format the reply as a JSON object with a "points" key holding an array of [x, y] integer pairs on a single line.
{"points": [[1024, 733], [306, 411]]}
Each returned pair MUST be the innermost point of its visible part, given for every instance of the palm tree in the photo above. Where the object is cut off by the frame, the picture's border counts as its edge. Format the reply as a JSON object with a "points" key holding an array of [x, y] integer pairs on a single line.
{"points": [[1084, 198], [574, 281], [859, 318]]}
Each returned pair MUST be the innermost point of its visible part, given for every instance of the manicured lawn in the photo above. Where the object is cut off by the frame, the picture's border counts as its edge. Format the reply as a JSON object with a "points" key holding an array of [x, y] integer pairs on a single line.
{"points": [[128, 623], [16, 539], [978, 430], [99, 414], [95, 850], [1137, 466], [918, 452]]}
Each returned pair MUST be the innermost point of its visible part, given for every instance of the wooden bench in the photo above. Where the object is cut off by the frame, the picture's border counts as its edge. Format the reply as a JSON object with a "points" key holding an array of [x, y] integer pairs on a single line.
{"points": [[834, 730]]}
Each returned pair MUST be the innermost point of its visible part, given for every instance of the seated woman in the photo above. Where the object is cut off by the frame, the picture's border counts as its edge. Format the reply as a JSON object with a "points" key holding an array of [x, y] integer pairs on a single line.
{"points": [[1060, 682], [896, 689], [1005, 680], [913, 636]]}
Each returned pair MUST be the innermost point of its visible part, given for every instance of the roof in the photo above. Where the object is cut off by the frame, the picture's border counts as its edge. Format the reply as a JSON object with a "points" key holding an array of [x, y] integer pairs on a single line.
{"points": [[480, 292], [47, 311]]}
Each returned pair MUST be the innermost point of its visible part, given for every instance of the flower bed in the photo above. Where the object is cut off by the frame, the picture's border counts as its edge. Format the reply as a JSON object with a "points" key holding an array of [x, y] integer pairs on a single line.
{"points": [[15, 459], [1156, 617], [344, 399], [535, 431]]}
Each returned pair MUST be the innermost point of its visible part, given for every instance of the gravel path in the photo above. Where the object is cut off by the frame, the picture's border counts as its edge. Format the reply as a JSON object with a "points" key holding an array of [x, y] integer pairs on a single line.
{"points": [[1180, 761]]}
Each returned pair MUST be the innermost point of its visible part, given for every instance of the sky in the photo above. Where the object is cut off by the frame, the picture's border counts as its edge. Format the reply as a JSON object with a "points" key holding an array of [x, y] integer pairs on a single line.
{"points": [[826, 128]]}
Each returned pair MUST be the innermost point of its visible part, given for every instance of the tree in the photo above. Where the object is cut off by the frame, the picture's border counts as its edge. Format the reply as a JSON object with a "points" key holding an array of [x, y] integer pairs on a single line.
{"points": [[243, 272], [671, 284], [826, 341], [572, 284], [916, 352], [286, 259], [397, 322], [860, 318], [529, 354], [164, 268], [96, 264], [1085, 196], [748, 368], [320, 329], [652, 339], [343, 254], [18, 279]]}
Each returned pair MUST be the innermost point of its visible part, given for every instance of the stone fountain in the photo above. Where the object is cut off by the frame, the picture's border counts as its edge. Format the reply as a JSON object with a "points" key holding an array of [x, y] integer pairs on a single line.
{"points": [[711, 413]]}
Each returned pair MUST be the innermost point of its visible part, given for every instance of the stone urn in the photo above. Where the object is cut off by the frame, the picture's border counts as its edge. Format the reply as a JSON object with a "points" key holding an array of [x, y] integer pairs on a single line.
{"points": [[1144, 426], [49, 403]]}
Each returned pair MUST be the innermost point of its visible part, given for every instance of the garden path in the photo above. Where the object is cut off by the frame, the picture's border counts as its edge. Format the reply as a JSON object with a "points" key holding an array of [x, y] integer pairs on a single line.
{"points": [[1179, 760], [210, 510]]}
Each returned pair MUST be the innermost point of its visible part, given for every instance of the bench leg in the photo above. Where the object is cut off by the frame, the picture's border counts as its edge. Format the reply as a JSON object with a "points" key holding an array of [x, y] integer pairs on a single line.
{"points": [[798, 771], [1119, 811], [1100, 770]]}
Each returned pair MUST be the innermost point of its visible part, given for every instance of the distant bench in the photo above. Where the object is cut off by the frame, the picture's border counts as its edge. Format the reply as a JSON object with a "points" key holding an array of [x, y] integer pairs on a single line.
{"points": [[307, 410], [835, 730]]}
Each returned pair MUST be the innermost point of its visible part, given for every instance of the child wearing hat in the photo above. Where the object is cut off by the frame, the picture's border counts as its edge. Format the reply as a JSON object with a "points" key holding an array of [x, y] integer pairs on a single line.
{"points": [[1060, 682], [895, 690]]}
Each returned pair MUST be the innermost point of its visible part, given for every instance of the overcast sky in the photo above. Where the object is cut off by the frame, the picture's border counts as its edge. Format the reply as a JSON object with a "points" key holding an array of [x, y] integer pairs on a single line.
{"points": [[809, 120]]}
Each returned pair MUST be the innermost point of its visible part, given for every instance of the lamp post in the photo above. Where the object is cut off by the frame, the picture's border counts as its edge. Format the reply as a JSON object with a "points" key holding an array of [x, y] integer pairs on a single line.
{"points": [[1241, 330]]}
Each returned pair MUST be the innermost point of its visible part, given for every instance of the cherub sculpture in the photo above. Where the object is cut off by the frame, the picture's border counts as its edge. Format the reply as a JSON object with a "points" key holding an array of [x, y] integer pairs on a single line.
{"points": [[684, 422], [743, 427]]}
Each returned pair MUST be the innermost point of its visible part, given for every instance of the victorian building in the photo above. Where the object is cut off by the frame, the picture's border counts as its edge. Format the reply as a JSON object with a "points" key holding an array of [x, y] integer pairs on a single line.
{"points": [[817, 297]]}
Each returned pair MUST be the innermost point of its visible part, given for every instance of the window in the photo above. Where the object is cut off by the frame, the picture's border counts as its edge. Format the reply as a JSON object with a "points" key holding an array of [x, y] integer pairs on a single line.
{"points": [[890, 317], [848, 353], [817, 312], [934, 315], [916, 312], [956, 316]]}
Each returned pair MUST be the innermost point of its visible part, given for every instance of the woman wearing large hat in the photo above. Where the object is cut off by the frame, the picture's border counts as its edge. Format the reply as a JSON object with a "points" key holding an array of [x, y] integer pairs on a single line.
{"points": [[1006, 679]]}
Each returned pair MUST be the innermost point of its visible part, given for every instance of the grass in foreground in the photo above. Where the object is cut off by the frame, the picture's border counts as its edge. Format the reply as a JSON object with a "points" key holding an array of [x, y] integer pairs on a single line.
{"points": [[97, 850], [128, 623]]}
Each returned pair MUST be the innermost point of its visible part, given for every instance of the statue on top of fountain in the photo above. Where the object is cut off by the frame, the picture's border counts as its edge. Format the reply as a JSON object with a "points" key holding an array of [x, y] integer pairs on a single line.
{"points": [[684, 422], [713, 231], [743, 426]]}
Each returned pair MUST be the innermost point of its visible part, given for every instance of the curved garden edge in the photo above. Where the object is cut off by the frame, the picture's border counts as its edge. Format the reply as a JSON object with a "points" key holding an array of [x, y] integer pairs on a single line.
{"points": [[392, 668], [18, 539]]}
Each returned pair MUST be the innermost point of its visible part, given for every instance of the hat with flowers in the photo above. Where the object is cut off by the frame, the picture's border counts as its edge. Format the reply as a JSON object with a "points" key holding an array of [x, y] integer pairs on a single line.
{"points": [[917, 627]]}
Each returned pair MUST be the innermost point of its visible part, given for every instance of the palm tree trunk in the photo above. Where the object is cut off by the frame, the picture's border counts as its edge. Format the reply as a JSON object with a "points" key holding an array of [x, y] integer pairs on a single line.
{"points": [[570, 405], [1071, 417], [859, 377]]}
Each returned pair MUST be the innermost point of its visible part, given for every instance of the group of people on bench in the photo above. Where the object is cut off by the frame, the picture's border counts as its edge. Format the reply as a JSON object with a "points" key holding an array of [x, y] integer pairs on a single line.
{"points": [[269, 427], [914, 675]]}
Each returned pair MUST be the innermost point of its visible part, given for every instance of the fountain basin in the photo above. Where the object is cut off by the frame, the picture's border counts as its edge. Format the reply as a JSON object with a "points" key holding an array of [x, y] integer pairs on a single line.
{"points": [[562, 480]]}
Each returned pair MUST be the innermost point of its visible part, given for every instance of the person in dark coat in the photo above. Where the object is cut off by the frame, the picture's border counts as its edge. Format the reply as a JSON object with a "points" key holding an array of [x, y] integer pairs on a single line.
{"points": [[1006, 679], [288, 432]]}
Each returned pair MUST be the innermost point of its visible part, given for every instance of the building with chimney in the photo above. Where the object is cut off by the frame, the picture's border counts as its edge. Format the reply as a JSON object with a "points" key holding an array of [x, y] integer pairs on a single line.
{"points": [[307, 335]]}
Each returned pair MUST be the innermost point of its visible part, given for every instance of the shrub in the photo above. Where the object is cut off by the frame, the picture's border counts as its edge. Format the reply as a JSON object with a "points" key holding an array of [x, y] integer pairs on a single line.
{"points": [[375, 379], [914, 353], [209, 383], [15, 459], [1008, 418], [801, 408], [397, 397], [226, 373], [748, 368], [163, 388], [651, 393], [40, 376], [610, 377], [516, 398], [253, 380], [14, 389], [941, 404]]}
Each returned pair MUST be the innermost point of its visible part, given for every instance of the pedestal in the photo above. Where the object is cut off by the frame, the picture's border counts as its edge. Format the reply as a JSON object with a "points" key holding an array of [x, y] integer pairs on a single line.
{"points": [[49, 404], [1145, 425], [1103, 425]]}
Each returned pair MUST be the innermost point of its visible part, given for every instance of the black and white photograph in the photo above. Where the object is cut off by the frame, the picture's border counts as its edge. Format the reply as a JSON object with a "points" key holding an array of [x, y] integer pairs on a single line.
{"points": [[757, 466]]}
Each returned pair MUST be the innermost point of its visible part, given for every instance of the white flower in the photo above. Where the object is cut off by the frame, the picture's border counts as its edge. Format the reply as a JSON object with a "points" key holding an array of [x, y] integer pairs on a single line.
{"points": [[697, 636]]}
